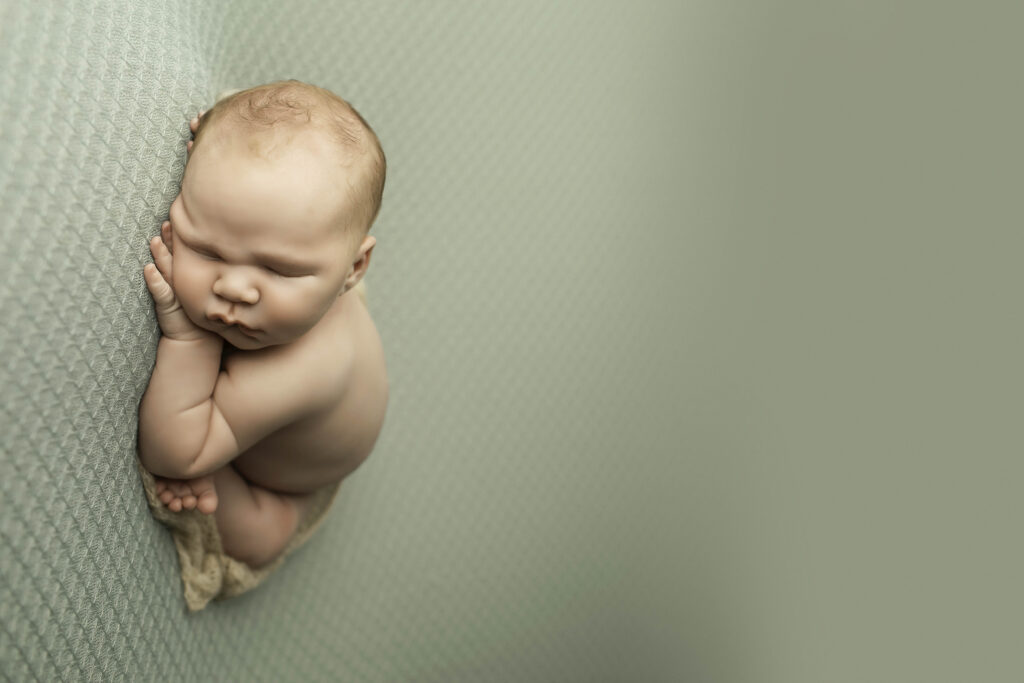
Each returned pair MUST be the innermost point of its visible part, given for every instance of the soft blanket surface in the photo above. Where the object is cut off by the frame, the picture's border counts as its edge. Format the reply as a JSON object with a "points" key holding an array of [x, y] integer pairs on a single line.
{"points": [[488, 537]]}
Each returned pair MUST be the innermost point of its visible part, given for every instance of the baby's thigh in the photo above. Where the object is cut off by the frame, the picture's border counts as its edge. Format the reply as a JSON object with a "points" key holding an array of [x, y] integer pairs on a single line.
{"points": [[254, 524]]}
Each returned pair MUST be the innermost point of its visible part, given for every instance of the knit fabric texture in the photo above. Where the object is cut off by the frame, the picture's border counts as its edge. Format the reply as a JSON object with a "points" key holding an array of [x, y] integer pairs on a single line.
{"points": [[492, 534]]}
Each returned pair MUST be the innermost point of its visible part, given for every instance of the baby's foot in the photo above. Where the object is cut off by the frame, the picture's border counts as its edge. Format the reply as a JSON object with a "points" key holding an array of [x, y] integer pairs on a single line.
{"points": [[188, 494], [193, 125]]}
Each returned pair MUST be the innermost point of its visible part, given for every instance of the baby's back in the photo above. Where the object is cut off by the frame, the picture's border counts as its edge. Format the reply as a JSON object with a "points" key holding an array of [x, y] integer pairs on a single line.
{"points": [[326, 447]]}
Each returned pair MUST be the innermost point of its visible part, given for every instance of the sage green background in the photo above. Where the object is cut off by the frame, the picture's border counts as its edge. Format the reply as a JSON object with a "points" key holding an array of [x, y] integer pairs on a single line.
{"points": [[701, 320]]}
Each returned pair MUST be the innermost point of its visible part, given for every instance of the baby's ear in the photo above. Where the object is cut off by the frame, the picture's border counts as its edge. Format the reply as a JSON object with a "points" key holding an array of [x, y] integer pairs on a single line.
{"points": [[369, 242], [362, 260]]}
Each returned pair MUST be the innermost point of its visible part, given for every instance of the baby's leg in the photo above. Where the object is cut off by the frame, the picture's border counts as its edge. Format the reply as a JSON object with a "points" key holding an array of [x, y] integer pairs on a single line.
{"points": [[255, 524]]}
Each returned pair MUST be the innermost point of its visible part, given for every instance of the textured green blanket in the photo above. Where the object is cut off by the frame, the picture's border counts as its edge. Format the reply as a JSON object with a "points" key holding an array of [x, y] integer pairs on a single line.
{"points": [[488, 537]]}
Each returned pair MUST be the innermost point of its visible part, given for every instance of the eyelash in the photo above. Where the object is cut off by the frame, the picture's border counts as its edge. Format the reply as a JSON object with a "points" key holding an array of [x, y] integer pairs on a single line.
{"points": [[210, 257]]}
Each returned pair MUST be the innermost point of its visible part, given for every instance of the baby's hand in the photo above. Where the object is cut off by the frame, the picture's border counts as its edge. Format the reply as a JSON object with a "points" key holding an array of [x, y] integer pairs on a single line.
{"points": [[159, 278]]}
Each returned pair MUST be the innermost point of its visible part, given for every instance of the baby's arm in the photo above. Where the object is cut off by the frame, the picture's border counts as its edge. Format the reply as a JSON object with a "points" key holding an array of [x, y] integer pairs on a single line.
{"points": [[259, 394], [175, 411]]}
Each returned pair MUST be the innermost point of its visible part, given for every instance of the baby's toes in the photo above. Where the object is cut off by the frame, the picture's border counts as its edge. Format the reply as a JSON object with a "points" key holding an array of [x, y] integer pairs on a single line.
{"points": [[180, 488], [188, 502], [164, 490], [207, 503]]}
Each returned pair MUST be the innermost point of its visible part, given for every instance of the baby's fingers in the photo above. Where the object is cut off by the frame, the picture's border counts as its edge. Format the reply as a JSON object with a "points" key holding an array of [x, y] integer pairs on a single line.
{"points": [[193, 125], [162, 293], [162, 258]]}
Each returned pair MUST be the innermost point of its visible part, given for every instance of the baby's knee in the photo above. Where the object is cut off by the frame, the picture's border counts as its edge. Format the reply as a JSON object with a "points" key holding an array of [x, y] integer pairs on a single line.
{"points": [[263, 535]]}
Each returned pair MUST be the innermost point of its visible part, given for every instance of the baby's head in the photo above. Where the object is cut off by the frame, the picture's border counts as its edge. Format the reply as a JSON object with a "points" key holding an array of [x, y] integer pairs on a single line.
{"points": [[281, 188], [267, 121]]}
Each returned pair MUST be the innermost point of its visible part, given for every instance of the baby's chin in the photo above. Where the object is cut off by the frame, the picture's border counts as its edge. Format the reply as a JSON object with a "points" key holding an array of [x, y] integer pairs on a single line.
{"points": [[242, 341], [244, 345]]}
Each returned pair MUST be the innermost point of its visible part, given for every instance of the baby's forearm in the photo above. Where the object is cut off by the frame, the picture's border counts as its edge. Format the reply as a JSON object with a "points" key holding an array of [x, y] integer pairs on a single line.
{"points": [[174, 415]]}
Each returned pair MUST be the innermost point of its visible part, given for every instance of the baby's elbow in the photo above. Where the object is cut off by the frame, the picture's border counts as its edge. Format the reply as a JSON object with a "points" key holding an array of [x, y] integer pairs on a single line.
{"points": [[159, 466], [219, 448], [166, 454]]}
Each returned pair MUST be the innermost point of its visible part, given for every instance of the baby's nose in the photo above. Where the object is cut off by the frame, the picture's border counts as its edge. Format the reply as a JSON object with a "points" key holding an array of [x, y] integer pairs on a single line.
{"points": [[235, 288]]}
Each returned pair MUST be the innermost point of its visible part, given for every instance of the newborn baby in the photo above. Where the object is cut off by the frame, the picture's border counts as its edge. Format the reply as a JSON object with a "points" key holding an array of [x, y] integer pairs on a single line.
{"points": [[270, 381]]}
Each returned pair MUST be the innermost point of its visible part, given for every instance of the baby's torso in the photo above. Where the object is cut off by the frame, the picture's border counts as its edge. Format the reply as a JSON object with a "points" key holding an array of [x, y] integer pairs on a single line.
{"points": [[321, 449]]}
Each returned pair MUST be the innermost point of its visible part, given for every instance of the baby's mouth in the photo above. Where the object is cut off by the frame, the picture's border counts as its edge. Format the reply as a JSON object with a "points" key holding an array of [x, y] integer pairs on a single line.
{"points": [[247, 331]]}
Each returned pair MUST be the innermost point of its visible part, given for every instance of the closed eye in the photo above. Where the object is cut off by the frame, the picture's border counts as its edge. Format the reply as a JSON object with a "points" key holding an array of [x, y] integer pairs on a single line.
{"points": [[213, 257], [277, 272]]}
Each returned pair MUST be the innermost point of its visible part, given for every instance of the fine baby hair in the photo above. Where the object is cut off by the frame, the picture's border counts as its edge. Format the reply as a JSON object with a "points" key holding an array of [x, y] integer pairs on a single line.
{"points": [[282, 107]]}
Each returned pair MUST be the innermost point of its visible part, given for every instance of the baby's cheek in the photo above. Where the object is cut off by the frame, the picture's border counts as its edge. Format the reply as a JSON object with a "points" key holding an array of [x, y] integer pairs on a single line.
{"points": [[298, 310], [293, 310], [191, 287]]}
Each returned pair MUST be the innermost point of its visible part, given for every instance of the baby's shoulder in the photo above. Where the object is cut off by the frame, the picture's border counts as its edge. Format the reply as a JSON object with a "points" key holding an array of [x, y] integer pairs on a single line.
{"points": [[329, 357]]}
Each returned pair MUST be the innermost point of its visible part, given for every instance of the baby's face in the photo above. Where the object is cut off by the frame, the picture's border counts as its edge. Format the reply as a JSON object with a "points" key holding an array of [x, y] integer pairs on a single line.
{"points": [[254, 244]]}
